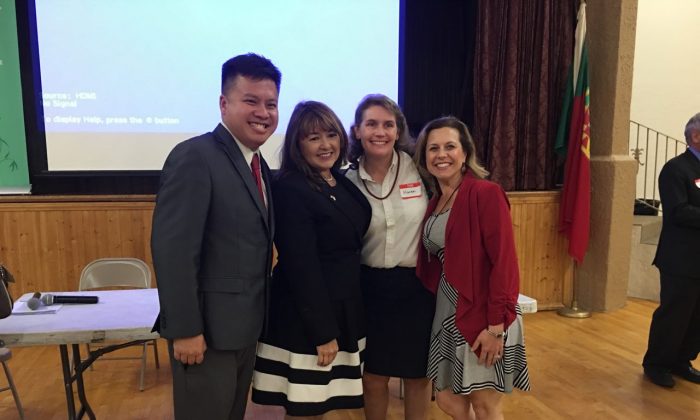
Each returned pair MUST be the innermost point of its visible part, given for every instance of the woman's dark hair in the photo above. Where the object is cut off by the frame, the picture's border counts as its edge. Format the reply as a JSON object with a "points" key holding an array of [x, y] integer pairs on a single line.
{"points": [[404, 142], [310, 117], [465, 139]]}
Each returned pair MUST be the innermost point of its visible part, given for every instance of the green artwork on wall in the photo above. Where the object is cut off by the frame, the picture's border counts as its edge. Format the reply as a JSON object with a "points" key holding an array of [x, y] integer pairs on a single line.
{"points": [[14, 172]]}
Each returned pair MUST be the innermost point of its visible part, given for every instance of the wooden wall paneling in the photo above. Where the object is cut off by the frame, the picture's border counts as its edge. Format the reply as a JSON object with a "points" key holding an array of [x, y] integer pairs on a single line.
{"points": [[85, 233], [46, 241], [8, 229], [523, 244], [63, 249], [129, 223], [46, 244], [15, 245], [516, 213], [541, 249], [100, 236], [54, 246], [533, 246], [541, 230], [142, 228], [31, 261], [527, 248], [43, 247], [78, 244], [560, 261]]}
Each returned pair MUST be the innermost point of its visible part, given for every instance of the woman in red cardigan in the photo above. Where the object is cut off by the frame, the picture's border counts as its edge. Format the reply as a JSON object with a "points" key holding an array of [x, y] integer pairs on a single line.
{"points": [[468, 260]]}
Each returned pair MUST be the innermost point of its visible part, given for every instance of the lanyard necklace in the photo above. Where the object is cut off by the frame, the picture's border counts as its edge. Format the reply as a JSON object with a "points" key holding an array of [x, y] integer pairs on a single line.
{"points": [[396, 177], [433, 217], [442, 209]]}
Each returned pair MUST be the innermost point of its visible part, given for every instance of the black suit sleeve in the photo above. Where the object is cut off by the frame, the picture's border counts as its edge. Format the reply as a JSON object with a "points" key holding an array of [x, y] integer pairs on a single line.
{"points": [[179, 221], [673, 188], [296, 241]]}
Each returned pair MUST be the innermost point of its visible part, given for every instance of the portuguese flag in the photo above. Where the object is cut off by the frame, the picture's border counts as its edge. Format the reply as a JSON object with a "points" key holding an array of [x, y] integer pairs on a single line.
{"points": [[573, 140]]}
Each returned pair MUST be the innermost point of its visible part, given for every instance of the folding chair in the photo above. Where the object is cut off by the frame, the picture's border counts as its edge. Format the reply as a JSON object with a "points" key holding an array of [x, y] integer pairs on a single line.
{"points": [[5, 355], [120, 272]]}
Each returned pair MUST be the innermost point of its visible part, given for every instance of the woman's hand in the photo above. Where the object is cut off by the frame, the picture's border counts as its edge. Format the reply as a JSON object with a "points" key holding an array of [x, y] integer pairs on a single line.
{"points": [[491, 347], [327, 352]]}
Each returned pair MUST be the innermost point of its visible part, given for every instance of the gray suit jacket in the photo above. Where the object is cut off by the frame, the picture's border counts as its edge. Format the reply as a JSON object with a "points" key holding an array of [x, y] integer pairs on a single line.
{"points": [[212, 243]]}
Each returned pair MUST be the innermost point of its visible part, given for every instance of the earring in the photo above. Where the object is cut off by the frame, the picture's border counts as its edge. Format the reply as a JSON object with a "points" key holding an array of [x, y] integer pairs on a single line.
{"points": [[464, 166]]}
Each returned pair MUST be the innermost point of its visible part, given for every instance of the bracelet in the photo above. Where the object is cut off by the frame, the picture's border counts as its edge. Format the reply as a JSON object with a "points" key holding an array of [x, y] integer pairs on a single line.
{"points": [[494, 334]]}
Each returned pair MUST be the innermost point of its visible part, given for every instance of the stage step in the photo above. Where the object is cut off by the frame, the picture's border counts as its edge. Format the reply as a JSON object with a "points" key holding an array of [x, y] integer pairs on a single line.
{"points": [[644, 277]]}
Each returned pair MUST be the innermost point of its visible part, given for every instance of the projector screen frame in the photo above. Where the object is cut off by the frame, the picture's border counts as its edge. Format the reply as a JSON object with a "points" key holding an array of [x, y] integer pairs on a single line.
{"points": [[93, 182]]}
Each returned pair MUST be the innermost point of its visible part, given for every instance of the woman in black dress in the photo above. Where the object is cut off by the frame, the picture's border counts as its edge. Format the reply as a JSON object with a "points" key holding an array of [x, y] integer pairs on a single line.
{"points": [[310, 357]]}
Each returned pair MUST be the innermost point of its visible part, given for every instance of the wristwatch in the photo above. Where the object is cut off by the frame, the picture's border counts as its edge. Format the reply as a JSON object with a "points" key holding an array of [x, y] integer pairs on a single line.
{"points": [[494, 334]]}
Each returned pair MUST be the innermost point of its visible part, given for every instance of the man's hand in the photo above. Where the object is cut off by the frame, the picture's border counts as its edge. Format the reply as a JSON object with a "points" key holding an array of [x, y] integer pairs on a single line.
{"points": [[190, 350], [327, 352]]}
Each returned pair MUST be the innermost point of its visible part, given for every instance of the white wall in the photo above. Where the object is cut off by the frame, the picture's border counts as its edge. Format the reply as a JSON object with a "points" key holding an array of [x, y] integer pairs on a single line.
{"points": [[666, 81], [666, 84]]}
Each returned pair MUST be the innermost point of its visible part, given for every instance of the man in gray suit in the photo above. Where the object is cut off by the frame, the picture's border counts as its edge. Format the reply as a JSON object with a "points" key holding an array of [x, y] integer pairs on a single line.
{"points": [[212, 246]]}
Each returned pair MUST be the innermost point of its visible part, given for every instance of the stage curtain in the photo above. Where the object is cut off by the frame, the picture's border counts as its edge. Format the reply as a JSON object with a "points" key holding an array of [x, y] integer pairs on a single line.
{"points": [[523, 50]]}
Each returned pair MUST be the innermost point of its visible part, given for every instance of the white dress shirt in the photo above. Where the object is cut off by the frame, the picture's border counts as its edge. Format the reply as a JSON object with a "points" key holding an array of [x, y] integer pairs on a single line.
{"points": [[394, 232]]}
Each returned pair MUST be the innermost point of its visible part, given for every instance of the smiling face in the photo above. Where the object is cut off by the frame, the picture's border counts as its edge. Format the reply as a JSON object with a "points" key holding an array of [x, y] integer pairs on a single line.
{"points": [[249, 110], [320, 149], [444, 155], [377, 132]]}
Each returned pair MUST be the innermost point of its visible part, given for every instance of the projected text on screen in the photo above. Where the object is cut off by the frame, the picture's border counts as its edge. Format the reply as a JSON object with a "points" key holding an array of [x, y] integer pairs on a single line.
{"points": [[123, 82]]}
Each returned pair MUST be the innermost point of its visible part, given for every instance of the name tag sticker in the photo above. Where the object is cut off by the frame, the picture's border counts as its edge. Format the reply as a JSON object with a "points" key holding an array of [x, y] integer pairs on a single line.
{"points": [[410, 190], [697, 182]]}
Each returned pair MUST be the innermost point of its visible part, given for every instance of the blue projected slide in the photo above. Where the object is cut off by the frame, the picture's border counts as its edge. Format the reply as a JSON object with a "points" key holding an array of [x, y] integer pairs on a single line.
{"points": [[123, 81]]}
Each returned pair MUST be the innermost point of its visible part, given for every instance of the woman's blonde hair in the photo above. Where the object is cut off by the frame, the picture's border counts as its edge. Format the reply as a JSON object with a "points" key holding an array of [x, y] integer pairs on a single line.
{"points": [[465, 139]]}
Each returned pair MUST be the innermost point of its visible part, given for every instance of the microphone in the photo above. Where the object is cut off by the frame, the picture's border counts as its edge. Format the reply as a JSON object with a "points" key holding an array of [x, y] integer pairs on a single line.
{"points": [[33, 303], [51, 299]]}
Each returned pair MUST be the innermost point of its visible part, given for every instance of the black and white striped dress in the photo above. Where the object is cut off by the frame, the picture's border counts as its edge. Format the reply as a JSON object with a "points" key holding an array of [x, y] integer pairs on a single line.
{"points": [[452, 364], [287, 374], [315, 293]]}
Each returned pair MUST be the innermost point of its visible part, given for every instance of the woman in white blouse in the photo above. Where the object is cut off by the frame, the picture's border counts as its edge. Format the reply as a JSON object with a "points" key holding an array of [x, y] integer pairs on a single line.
{"points": [[398, 308]]}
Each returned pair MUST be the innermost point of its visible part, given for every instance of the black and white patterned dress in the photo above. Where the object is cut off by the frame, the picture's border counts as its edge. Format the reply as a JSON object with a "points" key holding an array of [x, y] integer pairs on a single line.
{"points": [[452, 364], [315, 296]]}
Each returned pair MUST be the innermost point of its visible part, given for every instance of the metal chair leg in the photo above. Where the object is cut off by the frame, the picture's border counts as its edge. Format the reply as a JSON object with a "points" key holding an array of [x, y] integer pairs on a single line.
{"points": [[143, 365], [155, 352], [15, 395]]}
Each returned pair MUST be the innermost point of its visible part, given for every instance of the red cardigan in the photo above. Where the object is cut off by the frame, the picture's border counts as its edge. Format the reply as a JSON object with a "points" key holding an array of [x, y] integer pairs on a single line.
{"points": [[480, 259]]}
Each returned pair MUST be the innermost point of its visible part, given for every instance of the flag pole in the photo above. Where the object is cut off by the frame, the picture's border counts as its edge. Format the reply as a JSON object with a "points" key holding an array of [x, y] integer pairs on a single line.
{"points": [[574, 311]]}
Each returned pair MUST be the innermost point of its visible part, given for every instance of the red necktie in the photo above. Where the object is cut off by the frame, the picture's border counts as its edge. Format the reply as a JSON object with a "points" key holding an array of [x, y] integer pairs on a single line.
{"points": [[255, 167]]}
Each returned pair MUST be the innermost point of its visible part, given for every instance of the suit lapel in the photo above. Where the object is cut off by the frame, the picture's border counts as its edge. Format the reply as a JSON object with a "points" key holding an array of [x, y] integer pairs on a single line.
{"points": [[357, 195], [693, 162], [234, 154]]}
